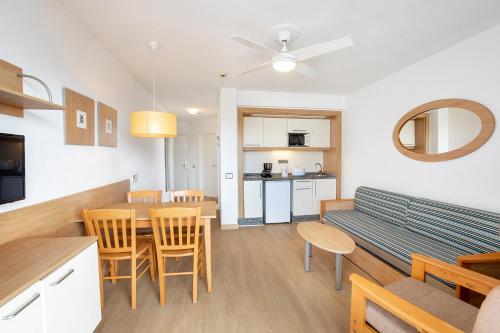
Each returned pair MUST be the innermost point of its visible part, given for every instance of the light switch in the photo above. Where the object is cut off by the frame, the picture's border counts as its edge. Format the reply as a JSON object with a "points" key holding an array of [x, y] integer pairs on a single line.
{"points": [[229, 175]]}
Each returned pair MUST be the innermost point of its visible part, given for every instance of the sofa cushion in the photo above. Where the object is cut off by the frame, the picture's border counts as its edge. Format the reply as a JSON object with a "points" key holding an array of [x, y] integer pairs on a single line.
{"points": [[397, 241], [387, 206], [489, 314], [471, 230], [438, 303]]}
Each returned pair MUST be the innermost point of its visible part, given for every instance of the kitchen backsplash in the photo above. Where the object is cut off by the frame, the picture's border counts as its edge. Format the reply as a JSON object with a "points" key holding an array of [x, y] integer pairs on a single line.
{"points": [[253, 160]]}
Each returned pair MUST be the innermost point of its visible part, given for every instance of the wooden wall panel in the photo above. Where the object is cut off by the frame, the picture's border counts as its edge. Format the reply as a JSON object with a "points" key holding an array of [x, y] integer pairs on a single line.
{"points": [[9, 80], [53, 218]]}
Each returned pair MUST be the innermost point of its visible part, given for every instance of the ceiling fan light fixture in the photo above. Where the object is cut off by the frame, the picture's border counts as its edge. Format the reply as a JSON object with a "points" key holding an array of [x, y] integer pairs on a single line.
{"points": [[284, 63]]}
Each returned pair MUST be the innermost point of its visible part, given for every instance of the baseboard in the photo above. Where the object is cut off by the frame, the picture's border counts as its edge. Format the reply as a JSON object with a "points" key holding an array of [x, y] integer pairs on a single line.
{"points": [[229, 226]]}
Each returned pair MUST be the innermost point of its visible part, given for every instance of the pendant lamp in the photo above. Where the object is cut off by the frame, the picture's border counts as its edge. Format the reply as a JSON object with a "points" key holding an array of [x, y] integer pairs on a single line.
{"points": [[153, 124]]}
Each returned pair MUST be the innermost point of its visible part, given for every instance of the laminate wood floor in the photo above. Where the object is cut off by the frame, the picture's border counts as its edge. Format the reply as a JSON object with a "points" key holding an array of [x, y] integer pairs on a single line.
{"points": [[259, 285]]}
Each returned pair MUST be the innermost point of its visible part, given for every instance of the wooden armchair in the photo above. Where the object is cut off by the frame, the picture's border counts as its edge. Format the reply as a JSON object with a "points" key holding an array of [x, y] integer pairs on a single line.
{"points": [[389, 305], [484, 259]]}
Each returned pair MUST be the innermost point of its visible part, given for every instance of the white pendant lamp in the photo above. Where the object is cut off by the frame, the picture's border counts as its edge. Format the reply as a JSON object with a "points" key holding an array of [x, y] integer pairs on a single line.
{"points": [[153, 124]]}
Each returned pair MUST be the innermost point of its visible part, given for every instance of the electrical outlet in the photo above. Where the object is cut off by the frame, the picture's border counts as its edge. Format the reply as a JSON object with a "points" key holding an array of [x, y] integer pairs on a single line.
{"points": [[135, 178], [282, 161]]}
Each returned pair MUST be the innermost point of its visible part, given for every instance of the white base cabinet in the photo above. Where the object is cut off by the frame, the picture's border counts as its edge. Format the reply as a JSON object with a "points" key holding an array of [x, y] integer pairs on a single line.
{"points": [[66, 300], [23, 313], [252, 199], [324, 189], [71, 295]]}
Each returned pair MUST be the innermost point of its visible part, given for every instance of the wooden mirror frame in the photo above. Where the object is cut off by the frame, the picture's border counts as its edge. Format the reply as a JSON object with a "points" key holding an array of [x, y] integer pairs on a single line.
{"points": [[484, 114]]}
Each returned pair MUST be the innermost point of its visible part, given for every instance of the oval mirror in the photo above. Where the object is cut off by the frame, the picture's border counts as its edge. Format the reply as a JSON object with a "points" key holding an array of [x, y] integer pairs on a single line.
{"points": [[443, 130]]}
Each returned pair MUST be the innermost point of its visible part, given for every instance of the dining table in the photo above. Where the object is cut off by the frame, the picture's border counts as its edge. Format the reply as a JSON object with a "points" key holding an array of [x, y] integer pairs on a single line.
{"points": [[143, 221]]}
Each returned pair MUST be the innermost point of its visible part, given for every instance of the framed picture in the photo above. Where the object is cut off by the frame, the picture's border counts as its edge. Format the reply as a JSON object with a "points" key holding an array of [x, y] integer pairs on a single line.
{"points": [[108, 134], [79, 113]]}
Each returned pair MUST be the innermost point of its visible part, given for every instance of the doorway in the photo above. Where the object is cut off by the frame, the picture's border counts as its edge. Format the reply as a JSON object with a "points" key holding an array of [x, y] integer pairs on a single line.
{"points": [[208, 164], [180, 156]]}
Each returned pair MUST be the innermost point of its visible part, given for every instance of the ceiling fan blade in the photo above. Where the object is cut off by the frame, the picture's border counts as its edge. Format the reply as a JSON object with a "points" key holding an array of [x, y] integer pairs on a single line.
{"points": [[322, 48], [255, 68], [305, 70], [254, 45]]}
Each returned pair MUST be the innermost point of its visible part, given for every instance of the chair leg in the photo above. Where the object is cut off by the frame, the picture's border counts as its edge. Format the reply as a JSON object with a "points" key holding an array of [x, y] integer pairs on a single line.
{"points": [[195, 277], [162, 269], [151, 263], [112, 270], [101, 287], [133, 283]]}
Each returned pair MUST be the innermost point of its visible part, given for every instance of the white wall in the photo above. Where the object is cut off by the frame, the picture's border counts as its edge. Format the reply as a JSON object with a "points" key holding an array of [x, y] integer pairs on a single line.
{"points": [[468, 70], [193, 129], [230, 99], [253, 160], [46, 41]]}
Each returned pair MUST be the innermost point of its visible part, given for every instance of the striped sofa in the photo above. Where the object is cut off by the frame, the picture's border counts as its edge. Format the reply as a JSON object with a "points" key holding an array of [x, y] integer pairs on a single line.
{"points": [[392, 226]]}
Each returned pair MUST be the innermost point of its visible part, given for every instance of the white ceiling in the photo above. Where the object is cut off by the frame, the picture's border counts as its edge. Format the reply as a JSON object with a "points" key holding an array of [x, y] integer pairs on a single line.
{"points": [[195, 45]]}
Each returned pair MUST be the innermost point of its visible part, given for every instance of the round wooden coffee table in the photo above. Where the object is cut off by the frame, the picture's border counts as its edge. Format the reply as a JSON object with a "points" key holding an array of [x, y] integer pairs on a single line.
{"points": [[329, 239]]}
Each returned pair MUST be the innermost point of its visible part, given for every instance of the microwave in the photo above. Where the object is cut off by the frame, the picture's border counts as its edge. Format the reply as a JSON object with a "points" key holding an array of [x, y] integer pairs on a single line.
{"points": [[299, 139]]}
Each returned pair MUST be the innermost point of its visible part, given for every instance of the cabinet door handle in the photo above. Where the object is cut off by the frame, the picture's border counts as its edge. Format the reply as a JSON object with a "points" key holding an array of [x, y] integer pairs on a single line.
{"points": [[252, 144], [260, 188], [22, 307], [300, 189], [62, 278]]}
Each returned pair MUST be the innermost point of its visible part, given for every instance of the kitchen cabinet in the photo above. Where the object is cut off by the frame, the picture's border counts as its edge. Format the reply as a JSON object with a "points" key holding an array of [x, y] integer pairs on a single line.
{"points": [[71, 295], [275, 132], [323, 189], [252, 199], [302, 197], [297, 125], [23, 313], [253, 132], [320, 133]]}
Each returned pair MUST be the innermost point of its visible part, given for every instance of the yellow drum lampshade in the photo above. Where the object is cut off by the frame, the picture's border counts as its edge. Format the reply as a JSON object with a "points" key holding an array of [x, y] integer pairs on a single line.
{"points": [[153, 124]]}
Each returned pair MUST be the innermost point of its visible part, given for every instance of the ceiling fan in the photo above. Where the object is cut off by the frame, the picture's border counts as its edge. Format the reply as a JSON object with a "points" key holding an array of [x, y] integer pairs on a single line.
{"points": [[285, 60]]}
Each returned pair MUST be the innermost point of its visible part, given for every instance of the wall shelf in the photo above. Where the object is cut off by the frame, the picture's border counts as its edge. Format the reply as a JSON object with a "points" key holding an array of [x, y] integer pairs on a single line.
{"points": [[288, 148], [13, 101]]}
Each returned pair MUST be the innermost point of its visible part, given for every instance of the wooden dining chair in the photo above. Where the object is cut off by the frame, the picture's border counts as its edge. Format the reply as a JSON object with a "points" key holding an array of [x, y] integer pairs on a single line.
{"points": [[146, 196], [116, 237], [187, 196], [177, 234]]}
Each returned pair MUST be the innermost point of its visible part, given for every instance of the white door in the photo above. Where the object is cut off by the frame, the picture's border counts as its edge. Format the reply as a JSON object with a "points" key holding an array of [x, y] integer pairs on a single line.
{"points": [[320, 133], [23, 313], [302, 197], [275, 132], [324, 189], [181, 162], [252, 199], [71, 295], [208, 164], [253, 131]]}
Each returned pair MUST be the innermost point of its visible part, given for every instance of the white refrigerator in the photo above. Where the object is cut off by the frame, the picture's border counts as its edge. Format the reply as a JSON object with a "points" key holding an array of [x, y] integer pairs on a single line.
{"points": [[277, 201]]}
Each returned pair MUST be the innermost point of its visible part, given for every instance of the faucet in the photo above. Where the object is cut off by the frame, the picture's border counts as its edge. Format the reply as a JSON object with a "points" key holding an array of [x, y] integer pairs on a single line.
{"points": [[320, 167]]}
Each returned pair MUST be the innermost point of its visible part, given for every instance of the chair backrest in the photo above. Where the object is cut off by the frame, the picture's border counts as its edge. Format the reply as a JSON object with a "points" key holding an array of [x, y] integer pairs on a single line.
{"points": [[187, 196], [115, 229], [146, 196], [176, 228]]}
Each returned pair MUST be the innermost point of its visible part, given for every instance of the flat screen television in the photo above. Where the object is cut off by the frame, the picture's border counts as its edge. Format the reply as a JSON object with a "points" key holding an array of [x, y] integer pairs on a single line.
{"points": [[12, 186]]}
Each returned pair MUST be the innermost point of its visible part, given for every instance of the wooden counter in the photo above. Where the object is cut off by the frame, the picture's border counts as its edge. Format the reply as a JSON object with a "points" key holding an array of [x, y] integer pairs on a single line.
{"points": [[24, 262]]}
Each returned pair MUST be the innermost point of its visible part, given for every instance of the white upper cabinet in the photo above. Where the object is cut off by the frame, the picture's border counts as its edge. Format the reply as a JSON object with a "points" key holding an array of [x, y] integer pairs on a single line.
{"points": [[320, 133], [253, 132], [296, 125], [23, 313], [275, 132]]}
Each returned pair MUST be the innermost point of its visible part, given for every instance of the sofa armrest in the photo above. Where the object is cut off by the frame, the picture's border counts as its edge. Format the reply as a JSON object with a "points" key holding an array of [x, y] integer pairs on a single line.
{"points": [[364, 290], [467, 261], [341, 204], [460, 276]]}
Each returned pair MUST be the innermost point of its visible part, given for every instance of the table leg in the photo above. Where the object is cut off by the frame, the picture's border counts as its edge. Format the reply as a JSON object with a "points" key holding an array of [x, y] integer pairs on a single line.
{"points": [[307, 256], [338, 271], [208, 252]]}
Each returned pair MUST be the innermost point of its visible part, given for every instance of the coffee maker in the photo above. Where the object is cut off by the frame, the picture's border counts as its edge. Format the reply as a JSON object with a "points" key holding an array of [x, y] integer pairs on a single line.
{"points": [[267, 170]]}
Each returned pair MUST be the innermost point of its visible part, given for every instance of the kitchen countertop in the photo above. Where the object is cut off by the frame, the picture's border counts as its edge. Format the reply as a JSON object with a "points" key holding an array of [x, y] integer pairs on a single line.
{"points": [[277, 176]]}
